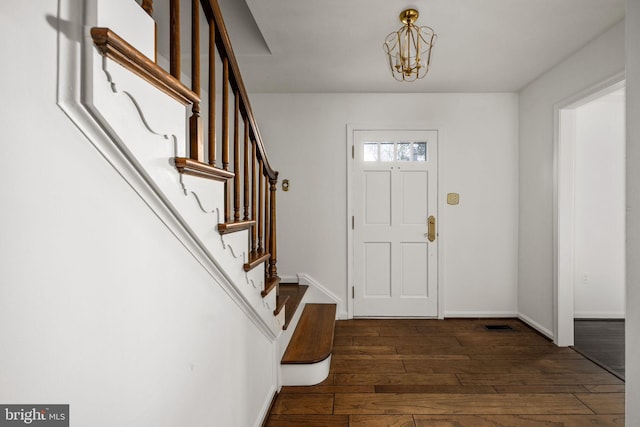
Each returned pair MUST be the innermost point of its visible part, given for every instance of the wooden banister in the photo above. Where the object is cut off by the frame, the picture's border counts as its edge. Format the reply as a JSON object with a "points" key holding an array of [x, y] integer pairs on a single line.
{"points": [[196, 138], [254, 197], [211, 8], [273, 250], [246, 179], [261, 218], [236, 158], [250, 181], [225, 114], [174, 39], [267, 217], [212, 93]]}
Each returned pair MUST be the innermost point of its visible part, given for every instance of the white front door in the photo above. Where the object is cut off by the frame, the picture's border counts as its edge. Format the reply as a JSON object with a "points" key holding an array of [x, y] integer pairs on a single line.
{"points": [[394, 198]]}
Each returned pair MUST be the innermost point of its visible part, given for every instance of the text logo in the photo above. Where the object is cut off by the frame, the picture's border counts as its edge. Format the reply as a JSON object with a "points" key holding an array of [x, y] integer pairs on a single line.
{"points": [[34, 415]]}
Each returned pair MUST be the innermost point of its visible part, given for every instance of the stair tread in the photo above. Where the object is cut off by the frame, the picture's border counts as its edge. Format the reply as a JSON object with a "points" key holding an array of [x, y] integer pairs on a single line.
{"points": [[312, 341], [296, 293]]}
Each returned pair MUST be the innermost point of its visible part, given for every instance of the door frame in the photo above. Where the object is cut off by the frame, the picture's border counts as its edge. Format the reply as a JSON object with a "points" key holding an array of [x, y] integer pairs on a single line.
{"points": [[351, 128], [564, 141]]}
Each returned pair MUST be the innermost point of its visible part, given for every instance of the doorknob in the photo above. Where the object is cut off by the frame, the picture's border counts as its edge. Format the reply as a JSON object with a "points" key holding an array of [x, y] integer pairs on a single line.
{"points": [[431, 227]]}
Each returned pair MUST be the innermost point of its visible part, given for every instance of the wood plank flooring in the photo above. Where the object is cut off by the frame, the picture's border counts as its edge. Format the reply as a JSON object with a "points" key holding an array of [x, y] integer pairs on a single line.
{"points": [[445, 373]]}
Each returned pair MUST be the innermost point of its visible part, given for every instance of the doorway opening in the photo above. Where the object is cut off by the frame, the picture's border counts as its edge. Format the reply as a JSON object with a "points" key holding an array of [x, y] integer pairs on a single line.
{"points": [[589, 211]]}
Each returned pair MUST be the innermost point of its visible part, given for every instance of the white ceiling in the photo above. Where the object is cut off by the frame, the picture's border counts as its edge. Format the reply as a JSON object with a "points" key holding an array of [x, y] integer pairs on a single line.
{"points": [[336, 45]]}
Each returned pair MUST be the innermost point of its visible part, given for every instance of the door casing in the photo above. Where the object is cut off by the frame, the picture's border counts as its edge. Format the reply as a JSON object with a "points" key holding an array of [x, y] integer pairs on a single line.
{"points": [[563, 212]]}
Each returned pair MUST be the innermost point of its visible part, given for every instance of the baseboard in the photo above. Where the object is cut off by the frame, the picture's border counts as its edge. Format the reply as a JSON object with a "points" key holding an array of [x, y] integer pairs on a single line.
{"points": [[264, 414], [318, 292], [289, 279], [321, 294], [535, 325], [599, 315], [482, 314]]}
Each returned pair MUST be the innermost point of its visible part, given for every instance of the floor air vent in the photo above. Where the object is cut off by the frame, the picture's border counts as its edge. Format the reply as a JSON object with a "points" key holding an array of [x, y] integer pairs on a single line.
{"points": [[498, 327]]}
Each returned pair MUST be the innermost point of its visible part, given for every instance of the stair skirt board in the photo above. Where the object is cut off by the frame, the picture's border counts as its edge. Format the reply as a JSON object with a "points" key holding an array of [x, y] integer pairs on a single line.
{"points": [[305, 374]]}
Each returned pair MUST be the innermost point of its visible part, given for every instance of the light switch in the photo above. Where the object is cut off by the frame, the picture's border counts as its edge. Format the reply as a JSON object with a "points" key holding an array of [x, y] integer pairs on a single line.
{"points": [[453, 198]]}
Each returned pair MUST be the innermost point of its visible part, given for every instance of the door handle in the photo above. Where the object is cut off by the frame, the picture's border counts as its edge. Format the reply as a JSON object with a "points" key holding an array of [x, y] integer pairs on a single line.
{"points": [[431, 228]]}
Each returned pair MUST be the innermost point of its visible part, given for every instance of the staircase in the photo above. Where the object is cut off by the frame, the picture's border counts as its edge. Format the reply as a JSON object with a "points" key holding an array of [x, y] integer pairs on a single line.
{"points": [[224, 173]]}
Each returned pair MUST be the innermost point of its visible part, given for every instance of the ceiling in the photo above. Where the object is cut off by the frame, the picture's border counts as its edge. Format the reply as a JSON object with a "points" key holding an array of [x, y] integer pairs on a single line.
{"points": [[336, 45]]}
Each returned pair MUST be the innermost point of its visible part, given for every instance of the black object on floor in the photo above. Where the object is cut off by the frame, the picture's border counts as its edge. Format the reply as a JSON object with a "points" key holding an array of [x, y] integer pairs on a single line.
{"points": [[498, 327]]}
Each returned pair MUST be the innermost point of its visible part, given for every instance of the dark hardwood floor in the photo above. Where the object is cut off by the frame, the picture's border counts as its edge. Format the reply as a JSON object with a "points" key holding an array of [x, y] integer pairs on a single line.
{"points": [[603, 342], [452, 373]]}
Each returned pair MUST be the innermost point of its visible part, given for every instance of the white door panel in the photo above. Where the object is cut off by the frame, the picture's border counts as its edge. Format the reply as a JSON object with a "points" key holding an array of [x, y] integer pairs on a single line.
{"points": [[413, 270], [377, 269], [394, 193], [413, 202], [377, 197]]}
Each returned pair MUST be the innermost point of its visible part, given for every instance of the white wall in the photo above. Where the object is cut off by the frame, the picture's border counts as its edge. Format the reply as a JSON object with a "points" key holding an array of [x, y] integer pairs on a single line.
{"points": [[633, 214], [101, 306], [600, 59], [600, 208], [306, 139]]}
